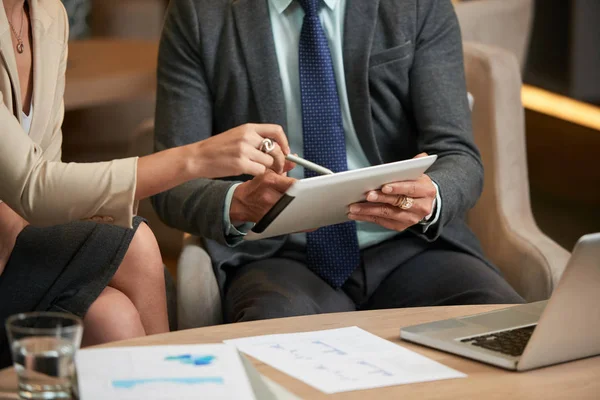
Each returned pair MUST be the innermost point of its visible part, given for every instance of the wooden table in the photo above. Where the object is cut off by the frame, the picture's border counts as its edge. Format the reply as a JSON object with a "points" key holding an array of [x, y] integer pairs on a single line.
{"points": [[575, 380], [101, 71]]}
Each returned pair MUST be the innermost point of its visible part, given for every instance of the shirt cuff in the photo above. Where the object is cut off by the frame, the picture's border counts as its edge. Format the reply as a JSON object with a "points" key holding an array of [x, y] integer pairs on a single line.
{"points": [[434, 216], [232, 231]]}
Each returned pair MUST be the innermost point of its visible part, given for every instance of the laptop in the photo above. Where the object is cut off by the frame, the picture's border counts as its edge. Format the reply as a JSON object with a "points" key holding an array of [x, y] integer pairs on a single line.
{"points": [[566, 327]]}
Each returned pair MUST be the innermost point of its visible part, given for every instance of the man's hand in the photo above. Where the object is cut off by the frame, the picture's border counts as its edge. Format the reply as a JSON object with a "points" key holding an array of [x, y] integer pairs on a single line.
{"points": [[383, 207], [252, 199]]}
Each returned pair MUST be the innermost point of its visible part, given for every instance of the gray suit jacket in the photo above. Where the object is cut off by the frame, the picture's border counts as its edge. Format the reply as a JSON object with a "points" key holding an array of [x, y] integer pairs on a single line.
{"points": [[404, 72]]}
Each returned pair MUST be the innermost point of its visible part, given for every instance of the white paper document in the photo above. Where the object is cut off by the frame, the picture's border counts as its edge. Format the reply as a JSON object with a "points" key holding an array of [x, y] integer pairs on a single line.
{"points": [[163, 372], [340, 360]]}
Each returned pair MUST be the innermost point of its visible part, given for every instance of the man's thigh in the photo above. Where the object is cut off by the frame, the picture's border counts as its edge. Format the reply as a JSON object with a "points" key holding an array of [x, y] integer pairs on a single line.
{"points": [[442, 277], [279, 287]]}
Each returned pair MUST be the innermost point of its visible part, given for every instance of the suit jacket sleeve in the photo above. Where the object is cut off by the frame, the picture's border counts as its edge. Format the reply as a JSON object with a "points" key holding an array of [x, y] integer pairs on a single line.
{"points": [[441, 111], [183, 116], [44, 190]]}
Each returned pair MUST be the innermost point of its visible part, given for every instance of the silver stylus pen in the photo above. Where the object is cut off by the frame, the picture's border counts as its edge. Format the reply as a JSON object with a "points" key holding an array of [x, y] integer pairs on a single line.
{"points": [[310, 165]]}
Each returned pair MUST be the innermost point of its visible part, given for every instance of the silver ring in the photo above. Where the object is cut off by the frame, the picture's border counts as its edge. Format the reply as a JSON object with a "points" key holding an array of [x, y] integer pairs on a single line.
{"points": [[267, 146]]}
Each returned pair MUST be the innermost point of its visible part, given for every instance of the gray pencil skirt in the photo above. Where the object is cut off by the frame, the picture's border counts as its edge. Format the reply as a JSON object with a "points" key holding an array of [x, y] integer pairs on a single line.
{"points": [[60, 268]]}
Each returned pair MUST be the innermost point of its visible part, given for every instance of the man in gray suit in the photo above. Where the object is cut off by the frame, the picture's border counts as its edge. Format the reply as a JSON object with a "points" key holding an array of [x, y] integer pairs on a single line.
{"points": [[353, 83]]}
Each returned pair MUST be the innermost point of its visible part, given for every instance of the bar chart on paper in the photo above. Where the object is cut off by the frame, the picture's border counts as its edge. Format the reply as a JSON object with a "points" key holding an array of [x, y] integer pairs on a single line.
{"points": [[163, 372], [345, 359]]}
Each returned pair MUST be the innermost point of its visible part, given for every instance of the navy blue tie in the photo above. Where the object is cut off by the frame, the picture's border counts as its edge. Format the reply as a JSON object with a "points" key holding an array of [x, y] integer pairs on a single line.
{"points": [[332, 252]]}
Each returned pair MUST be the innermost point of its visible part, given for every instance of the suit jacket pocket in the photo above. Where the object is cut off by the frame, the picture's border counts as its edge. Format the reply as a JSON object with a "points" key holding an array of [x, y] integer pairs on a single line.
{"points": [[403, 52]]}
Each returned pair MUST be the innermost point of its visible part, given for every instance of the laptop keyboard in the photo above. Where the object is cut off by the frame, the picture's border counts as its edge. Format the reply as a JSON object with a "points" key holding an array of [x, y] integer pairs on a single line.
{"points": [[510, 342]]}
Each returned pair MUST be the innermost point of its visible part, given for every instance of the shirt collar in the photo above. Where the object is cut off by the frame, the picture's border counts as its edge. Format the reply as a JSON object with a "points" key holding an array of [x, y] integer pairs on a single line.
{"points": [[282, 5]]}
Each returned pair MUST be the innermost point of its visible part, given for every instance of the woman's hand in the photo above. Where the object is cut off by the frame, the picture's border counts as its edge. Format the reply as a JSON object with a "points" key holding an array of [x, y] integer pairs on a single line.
{"points": [[232, 153], [237, 152]]}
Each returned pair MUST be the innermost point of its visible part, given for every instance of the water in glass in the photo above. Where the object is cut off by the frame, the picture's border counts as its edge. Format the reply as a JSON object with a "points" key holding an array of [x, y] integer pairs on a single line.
{"points": [[45, 367]]}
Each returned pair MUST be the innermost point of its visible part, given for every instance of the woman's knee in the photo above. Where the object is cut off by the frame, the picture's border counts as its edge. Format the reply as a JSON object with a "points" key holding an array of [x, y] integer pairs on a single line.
{"points": [[111, 317], [143, 255]]}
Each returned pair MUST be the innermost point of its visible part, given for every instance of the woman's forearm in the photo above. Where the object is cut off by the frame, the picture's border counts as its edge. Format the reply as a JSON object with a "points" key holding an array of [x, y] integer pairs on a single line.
{"points": [[231, 153], [164, 170]]}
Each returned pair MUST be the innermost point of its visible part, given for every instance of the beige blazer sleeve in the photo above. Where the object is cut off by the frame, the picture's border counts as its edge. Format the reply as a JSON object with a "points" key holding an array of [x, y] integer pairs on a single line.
{"points": [[46, 191]]}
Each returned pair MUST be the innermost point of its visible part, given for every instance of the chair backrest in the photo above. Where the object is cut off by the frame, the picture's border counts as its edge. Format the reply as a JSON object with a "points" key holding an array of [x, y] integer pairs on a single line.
{"points": [[494, 80], [502, 23]]}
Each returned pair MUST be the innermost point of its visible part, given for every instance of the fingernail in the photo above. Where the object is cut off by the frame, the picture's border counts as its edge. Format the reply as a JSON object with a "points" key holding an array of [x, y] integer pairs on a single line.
{"points": [[387, 189], [372, 196], [354, 209]]}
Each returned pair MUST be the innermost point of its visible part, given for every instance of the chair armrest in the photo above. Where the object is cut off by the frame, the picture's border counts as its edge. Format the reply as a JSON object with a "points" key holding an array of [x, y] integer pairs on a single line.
{"points": [[502, 219], [199, 298]]}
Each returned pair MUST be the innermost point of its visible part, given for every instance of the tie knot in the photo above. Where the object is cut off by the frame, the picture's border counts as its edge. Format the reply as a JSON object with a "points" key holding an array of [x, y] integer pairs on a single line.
{"points": [[311, 7]]}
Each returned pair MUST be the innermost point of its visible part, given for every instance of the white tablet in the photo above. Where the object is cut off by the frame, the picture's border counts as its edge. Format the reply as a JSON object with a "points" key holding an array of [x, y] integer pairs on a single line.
{"points": [[323, 200]]}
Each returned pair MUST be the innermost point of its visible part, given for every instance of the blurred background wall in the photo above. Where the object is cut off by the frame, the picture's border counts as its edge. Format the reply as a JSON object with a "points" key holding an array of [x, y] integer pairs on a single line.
{"points": [[564, 53]]}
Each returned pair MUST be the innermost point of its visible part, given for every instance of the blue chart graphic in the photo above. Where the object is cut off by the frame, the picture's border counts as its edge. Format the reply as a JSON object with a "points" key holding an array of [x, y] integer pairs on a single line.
{"points": [[188, 359], [374, 369], [319, 348], [329, 348], [185, 359], [131, 383]]}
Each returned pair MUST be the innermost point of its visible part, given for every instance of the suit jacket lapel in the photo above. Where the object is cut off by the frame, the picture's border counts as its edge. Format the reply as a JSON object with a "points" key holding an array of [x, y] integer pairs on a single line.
{"points": [[7, 55], [46, 60], [359, 26], [256, 37]]}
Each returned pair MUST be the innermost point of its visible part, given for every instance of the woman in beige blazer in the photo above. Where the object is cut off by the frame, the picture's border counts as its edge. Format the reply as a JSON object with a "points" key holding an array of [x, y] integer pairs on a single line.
{"points": [[110, 274]]}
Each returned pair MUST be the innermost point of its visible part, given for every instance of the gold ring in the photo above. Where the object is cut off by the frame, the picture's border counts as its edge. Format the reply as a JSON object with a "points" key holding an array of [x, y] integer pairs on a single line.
{"points": [[399, 200], [406, 202], [267, 146]]}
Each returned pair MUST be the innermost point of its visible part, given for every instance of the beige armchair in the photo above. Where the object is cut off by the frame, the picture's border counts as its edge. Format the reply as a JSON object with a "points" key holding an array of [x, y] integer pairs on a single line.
{"points": [[502, 23], [502, 219], [198, 294], [531, 262]]}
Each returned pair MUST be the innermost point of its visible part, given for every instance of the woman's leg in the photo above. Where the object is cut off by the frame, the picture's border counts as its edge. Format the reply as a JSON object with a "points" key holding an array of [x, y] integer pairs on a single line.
{"points": [[141, 278], [111, 317]]}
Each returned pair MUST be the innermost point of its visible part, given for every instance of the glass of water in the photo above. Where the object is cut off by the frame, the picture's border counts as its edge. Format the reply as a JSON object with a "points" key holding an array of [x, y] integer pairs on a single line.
{"points": [[43, 346]]}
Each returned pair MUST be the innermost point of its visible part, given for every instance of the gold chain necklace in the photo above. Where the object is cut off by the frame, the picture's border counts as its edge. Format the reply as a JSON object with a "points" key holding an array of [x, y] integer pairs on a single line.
{"points": [[20, 46]]}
